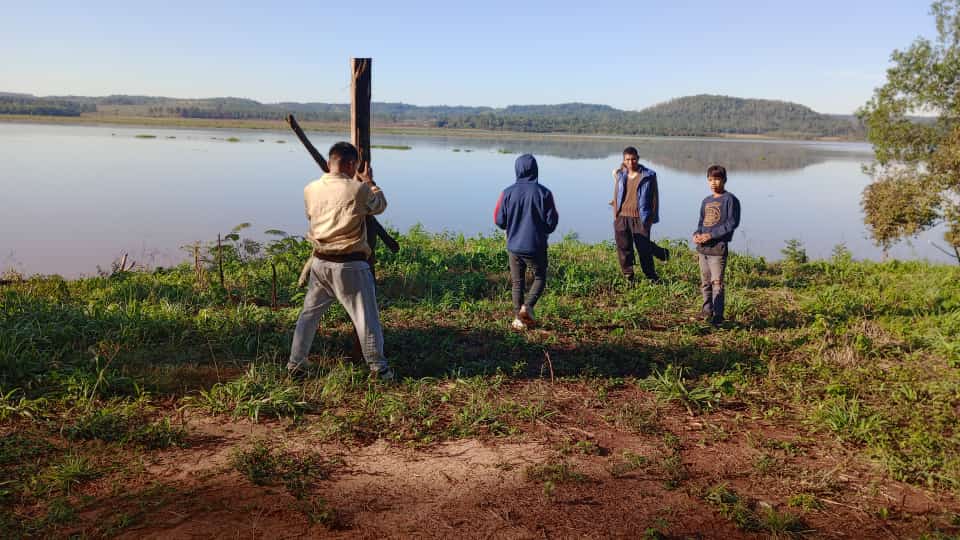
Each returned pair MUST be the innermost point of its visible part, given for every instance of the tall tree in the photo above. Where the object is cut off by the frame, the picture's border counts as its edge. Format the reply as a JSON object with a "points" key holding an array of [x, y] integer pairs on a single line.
{"points": [[917, 172]]}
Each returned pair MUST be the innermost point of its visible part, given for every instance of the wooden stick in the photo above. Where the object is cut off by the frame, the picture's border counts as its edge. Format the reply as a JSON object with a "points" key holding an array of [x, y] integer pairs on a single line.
{"points": [[314, 153]]}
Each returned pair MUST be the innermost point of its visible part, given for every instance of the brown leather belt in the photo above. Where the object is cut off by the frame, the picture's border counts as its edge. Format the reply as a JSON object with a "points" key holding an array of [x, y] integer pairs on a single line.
{"points": [[340, 257]]}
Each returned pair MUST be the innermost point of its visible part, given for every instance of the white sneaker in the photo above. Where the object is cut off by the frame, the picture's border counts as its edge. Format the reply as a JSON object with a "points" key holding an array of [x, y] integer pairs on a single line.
{"points": [[526, 315], [517, 324]]}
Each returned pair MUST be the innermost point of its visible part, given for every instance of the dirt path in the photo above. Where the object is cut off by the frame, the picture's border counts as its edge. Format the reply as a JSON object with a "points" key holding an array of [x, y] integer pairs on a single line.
{"points": [[721, 475]]}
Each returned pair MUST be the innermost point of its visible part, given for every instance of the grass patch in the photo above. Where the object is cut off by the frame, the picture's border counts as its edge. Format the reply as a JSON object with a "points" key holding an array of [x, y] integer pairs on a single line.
{"points": [[743, 514], [391, 146], [145, 136]]}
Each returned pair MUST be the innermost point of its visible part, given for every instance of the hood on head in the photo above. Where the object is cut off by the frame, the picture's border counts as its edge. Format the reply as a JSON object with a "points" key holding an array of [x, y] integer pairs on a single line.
{"points": [[526, 167]]}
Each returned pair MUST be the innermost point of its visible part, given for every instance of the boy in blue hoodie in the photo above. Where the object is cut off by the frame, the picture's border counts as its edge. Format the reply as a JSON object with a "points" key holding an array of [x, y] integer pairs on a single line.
{"points": [[527, 212], [719, 217]]}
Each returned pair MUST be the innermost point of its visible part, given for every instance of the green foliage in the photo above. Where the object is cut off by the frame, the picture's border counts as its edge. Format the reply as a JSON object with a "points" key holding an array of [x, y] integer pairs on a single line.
{"points": [[918, 163], [794, 252], [263, 390]]}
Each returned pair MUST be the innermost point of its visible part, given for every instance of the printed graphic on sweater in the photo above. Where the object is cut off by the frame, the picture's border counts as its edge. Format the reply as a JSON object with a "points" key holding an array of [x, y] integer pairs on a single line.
{"points": [[711, 214]]}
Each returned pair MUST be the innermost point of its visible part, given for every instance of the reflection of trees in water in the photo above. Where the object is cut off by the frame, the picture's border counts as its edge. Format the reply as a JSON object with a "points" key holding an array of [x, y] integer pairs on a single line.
{"points": [[688, 155]]}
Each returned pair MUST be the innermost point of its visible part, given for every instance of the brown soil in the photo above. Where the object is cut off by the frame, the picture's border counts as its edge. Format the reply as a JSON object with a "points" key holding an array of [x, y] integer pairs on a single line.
{"points": [[482, 488]]}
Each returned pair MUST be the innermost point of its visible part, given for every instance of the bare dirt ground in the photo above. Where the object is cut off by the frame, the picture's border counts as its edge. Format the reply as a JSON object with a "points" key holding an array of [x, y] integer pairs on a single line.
{"points": [[660, 482]]}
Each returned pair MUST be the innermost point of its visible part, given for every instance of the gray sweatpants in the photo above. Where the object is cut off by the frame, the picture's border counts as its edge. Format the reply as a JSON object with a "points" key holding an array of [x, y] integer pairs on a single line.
{"points": [[350, 283]]}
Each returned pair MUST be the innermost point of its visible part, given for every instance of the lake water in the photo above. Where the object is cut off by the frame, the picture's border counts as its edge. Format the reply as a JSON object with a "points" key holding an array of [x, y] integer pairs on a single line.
{"points": [[77, 197]]}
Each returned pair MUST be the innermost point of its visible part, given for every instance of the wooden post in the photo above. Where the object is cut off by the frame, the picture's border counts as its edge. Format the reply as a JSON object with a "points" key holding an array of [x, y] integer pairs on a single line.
{"points": [[361, 94], [360, 106]]}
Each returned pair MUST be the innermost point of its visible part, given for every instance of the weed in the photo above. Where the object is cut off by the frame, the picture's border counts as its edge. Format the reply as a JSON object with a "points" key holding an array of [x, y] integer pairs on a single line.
{"points": [[631, 462], [319, 511], [264, 466], [670, 385], [67, 474], [766, 464], [805, 502], [582, 447], [557, 473], [262, 390], [257, 463], [732, 507], [782, 524]]}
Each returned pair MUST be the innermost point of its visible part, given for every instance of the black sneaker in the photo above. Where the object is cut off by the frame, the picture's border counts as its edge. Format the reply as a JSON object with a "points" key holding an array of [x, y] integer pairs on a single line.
{"points": [[299, 373], [385, 376]]}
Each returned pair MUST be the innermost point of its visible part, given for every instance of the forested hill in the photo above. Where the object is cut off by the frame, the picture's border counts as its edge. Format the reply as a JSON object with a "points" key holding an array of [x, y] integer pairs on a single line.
{"points": [[686, 116]]}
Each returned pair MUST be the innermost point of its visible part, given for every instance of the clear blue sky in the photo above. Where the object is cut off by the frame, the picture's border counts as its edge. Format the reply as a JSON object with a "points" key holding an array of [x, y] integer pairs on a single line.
{"points": [[829, 55]]}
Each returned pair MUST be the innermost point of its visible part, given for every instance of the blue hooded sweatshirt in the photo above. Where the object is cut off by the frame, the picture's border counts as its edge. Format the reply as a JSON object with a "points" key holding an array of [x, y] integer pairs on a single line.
{"points": [[526, 211]]}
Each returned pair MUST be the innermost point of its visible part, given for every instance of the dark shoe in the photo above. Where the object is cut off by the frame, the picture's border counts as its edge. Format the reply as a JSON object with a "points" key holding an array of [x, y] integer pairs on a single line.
{"points": [[717, 322], [385, 376], [299, 373], [664, 254]]}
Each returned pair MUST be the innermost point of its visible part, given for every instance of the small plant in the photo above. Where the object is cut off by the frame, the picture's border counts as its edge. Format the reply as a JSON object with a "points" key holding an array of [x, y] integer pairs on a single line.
{"points": [[257, 464], [584, 447], [72, 471], [670, 385], [782, 524], [158, 435], [767, 464], [557, 473], [319, 511], [805, 502], [732, 507], [631, 462], [794, 253]]}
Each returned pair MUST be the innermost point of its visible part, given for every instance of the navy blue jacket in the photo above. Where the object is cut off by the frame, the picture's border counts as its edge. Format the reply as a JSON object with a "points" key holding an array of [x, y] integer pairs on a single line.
{"points": [[648, 196], [526, 211]]}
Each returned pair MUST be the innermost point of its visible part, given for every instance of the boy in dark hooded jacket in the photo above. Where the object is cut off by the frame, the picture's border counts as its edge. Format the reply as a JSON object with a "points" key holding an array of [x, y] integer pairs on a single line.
{"points": [[527, 212]]}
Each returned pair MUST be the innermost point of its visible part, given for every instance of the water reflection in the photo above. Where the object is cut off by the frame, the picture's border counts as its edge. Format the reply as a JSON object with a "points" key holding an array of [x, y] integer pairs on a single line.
{"points": [[75, 198], [683, 154]]}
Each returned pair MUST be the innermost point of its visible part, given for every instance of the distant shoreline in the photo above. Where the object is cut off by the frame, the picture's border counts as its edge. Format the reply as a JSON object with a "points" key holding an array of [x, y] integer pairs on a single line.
{"points": [[326, 127]]}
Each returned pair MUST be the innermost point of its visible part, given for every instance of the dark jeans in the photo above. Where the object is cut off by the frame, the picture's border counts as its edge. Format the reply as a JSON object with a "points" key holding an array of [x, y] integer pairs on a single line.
{"points": [[518, 274], [711, 285], [629, 232]]}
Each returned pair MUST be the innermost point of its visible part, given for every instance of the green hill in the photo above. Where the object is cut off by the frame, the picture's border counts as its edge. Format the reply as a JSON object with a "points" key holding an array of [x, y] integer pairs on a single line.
{"points": [[700, 115]]}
